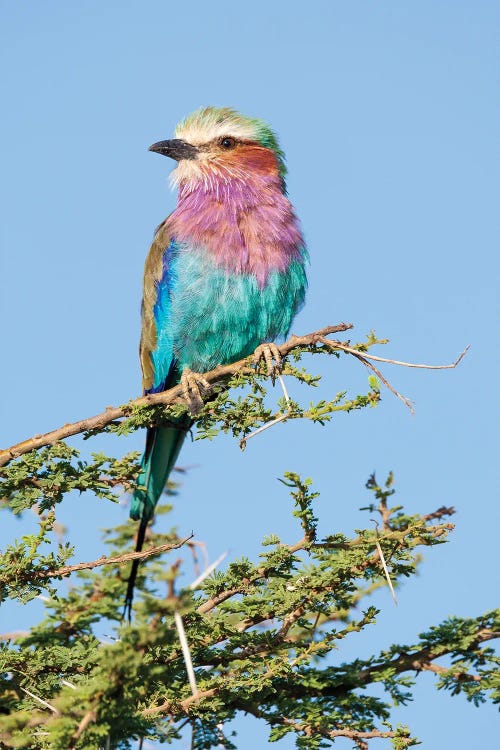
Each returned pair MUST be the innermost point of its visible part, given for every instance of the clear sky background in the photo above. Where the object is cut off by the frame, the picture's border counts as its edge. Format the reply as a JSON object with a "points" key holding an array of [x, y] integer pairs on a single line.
{"points": [[388, 112]]}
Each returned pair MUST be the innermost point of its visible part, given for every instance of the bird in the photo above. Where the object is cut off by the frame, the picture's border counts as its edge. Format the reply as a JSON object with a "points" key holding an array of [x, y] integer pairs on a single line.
{"points": [[226, 272]]}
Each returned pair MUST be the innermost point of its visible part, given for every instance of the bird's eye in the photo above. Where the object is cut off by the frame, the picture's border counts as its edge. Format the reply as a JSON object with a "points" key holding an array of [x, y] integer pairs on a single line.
{"points": [[228, 143]]}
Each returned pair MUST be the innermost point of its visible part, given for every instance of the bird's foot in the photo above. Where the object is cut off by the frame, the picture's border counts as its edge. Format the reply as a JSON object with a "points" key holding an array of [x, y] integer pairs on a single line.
{"points": [[194, 388], [270, 354]]}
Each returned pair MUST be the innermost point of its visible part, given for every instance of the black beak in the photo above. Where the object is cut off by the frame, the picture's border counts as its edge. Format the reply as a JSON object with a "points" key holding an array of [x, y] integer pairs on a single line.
{"points": [[175, 148]]}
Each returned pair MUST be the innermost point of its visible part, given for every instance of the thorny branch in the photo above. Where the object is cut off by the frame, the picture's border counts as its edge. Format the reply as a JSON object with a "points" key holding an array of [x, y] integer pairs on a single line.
{"points": [[68, 569], [220, 374], [421, 660], [304, 543], [417, 661], [261, 573], [309, 729], [171, 396]]}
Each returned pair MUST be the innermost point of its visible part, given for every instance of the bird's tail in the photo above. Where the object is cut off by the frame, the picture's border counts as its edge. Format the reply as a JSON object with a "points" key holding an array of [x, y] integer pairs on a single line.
{"points": [[163, 445]]}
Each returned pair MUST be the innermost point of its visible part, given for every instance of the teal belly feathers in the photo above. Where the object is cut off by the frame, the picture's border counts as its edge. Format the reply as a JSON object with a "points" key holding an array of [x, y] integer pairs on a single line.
{"points": [[221, 317]]}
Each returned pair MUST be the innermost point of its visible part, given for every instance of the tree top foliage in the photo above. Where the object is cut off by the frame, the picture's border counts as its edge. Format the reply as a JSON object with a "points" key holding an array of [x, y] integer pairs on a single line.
{"points": [[262, 637]]}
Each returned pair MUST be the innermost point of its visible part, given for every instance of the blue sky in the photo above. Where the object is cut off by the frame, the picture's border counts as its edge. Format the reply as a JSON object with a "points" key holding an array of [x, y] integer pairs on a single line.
{"points": [[389, 115]]}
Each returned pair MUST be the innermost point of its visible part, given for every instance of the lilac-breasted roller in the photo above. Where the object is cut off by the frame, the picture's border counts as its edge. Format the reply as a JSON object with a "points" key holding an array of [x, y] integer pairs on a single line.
{"points": [[225, 272]]}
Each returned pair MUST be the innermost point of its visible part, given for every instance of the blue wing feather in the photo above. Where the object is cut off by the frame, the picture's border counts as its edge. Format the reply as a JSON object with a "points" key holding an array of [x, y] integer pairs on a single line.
{"points": [[162, 356], [160, 372]]}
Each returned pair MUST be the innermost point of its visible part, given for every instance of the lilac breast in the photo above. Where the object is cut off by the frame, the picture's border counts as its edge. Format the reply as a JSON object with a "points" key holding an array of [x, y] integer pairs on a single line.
{"points": [[247, 226]]}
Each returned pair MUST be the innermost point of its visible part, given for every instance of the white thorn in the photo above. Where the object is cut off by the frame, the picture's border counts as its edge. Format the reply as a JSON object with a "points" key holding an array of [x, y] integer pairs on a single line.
{"points": [[40, 700], [186, 653], [207, 571], [386, 571]]}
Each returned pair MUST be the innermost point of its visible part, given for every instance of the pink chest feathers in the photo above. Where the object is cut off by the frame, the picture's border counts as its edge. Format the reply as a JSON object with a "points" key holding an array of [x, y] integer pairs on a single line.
{"points": [[246, 227]]}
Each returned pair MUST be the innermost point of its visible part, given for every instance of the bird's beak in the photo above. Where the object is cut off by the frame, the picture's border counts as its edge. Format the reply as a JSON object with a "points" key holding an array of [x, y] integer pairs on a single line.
{"points": [[176, 149]]}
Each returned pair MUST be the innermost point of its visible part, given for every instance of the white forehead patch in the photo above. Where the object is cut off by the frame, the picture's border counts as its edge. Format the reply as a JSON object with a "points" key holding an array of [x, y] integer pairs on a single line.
{"points": [[208, 125]]}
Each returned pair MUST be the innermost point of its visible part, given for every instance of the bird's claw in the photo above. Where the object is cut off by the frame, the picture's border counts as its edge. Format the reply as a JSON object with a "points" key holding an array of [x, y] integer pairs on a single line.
{"points": [[194, 388], [271, 356]]}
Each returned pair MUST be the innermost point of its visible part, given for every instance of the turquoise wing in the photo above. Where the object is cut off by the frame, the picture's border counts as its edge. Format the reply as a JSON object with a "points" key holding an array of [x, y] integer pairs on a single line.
{"points": [[157, 345], [159, 372]]}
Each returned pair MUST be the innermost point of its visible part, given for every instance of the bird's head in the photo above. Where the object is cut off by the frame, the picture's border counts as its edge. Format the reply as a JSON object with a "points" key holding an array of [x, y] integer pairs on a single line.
{"points": [[219, 143]]}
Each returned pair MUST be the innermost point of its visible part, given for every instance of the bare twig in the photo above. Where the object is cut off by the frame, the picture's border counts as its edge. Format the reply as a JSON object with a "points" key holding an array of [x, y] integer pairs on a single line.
{"points": [[371, 366], [457, 674], [350, 350], [365, 358], [439, 513], [169, 707]]}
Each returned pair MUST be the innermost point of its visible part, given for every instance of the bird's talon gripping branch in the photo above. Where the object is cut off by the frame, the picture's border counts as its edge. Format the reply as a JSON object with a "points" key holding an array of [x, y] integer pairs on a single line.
{"points": [[194, 388], [271, 356]]}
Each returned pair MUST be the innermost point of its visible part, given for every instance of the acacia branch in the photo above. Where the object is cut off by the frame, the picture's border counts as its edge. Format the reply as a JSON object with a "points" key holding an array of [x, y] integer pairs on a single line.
{"points": [[352, 734], [221, 373], [458, 675], [311, 729], [207, 606], [419, 661], [68, 569], [422, 660], [169, 707], [171, 396], [304, 543], [280, 638]]}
